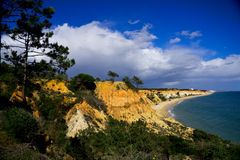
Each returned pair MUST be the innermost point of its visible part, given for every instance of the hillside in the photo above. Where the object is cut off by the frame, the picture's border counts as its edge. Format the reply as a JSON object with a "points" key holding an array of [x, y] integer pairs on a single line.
{"points": [[115, 99], [128, 105], [110, 122]]}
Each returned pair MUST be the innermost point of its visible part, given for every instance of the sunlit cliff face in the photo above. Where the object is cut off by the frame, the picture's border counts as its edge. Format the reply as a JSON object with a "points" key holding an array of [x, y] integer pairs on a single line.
{"points": [[124, 104], [121, 103]]}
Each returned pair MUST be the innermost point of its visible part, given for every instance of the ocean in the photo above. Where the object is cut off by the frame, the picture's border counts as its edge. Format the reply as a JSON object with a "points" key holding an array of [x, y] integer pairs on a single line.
{"points": [[218, 113]]}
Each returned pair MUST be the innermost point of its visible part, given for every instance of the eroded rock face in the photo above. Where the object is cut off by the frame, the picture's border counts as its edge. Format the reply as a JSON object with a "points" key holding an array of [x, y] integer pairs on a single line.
{"points": [[76, 123], [82, 116], [122, 104]]}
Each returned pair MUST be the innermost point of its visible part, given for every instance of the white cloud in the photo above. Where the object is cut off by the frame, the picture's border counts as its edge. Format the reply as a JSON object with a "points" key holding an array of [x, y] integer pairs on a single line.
{"points": [[174, 40], [98, 49], [191, 35], [142, 36], [133, 21]]}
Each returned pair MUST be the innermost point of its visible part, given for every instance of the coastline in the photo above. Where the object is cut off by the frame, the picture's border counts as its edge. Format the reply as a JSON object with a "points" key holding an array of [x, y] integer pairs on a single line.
{"points": [[163, 108]]}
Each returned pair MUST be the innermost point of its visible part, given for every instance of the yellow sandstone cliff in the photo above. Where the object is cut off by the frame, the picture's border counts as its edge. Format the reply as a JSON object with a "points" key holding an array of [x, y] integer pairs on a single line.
{"points": [[121, 103], [128, 105]]}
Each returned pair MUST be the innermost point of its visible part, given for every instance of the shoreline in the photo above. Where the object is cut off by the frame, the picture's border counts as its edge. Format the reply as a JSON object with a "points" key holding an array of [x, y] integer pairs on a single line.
{"points": [[163, 108]]}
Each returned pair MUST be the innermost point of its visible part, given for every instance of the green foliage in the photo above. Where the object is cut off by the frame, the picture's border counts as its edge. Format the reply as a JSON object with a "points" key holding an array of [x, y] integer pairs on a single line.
{"points": [[118, 140], [8, 80], [112, 75], [20, 124], [199, 135], [92, 100], [121, 140], [179, 145], [50, 106], [161, 96], [20, 152], [41, 69], [82, 82], [31, 30], [137, 81], [52, 112], [128, 82]]}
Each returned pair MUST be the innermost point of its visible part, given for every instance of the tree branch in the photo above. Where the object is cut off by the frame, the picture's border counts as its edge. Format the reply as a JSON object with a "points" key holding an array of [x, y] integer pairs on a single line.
{"points": [[16, 39]]}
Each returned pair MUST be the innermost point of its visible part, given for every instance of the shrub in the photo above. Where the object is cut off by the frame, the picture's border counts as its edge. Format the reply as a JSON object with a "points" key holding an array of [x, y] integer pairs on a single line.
{"points": [[82, 81], [20, 124], [5, 103], [161, 96], [50, 106], [199, 135], [21, 152], [121, 140]]}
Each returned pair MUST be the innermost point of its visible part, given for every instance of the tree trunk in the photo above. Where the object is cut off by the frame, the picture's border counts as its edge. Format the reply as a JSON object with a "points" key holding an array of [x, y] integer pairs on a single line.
{"points": [[25, 67], [1, 38]]}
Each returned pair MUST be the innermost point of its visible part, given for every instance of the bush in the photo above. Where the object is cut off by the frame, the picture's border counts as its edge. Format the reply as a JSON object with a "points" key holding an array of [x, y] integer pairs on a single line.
{"points": [[52, 112], [5, 103], [21, 152], [82, 81], [20, 124], [199, 135], [50, 106], [121, 140]]}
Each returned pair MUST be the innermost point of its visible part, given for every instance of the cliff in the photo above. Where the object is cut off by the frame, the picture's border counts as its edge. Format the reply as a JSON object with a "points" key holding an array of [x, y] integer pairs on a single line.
{"points": [[125, 104], [114, 99]]}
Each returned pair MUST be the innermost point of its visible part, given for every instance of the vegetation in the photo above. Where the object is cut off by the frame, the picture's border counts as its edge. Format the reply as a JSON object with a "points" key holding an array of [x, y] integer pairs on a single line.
{"points": [[43, 136], [121, 140], [128, 82], [132, 83], [29, 33], [20, 124], [137, 81], [82, 82], [112, 75]]}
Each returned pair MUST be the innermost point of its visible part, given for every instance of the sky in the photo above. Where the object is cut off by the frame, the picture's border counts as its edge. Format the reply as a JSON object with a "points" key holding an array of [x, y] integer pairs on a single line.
{"points": [[167, 43]]}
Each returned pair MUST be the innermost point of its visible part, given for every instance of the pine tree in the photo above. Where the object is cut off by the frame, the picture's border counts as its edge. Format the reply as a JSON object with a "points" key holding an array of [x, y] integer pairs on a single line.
{"points": [[112, 75], [137, 81], [31, 41]]}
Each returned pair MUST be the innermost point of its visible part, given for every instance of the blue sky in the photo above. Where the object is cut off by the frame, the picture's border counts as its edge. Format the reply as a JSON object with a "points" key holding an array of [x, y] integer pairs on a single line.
{"points": [[207, 31]]}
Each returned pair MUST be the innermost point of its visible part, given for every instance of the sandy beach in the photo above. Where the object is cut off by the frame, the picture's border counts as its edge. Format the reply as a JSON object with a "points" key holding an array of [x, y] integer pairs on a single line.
{"points": [[163, 107]]}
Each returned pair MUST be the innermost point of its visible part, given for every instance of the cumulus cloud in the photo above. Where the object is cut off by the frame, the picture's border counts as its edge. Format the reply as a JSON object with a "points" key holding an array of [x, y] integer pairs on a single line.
{"points": [[174, 40], [133, 21], [190, 35], [97, 49]]}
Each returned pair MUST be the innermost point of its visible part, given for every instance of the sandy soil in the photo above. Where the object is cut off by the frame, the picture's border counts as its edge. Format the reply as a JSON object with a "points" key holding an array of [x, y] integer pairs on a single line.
{"points": [[163, 108]]}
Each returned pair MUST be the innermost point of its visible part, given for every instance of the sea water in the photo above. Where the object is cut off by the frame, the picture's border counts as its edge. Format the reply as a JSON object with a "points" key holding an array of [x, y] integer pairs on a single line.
{"points": [[218, 113]]}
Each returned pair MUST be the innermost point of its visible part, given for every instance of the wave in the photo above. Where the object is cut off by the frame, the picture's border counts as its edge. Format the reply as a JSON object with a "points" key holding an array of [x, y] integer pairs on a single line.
{"points": [[171, 113]]}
